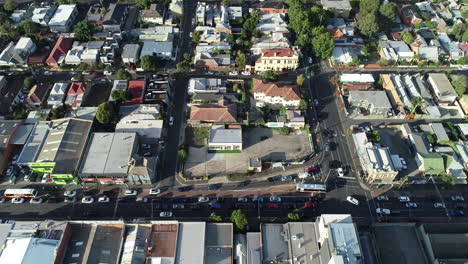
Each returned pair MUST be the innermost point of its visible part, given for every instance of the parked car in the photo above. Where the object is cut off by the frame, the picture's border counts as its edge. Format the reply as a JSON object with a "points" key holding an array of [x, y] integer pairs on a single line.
{"points": [[17, 200], [130, 192], [69, 193], [383, 211], [145, 145], [286, 178], [460, 205], [309, 205], [87, 199], [273, 206], [36, 200], [2, 200], [233, 73], [203, 199], [214, 186], [242, 199], [103, 199], [184, 189], [456, 213], [86, 73], [178, 206], [439, 205], [165, 214], [257, 199], [70, 199], [275, 199], [352, 200], [154, 191], [340, 172], [171, 120], [125, 199], [382, 198], [147, 154], [327, 146], [108, 73], [142, 199], [44, 178], [411, 205], [247, 73], [404, 199], [215, 206], [457, 198]]}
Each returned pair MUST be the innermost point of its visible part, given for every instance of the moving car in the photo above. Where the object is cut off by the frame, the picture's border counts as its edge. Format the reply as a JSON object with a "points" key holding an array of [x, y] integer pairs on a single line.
{"points": [[36, 200], [383, 211], [404, 199], [439, 205], [87, 199], [130, 192], [155, 191], [327, 146], [17, 200], [103, 199], [178, 206], [382, 198], [352, 200], [411, 205], [165, 214]]}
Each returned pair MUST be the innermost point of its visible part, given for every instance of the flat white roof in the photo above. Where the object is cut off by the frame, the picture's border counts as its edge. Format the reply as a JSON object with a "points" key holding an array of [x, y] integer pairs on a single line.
{"points": [[191, 243], [61, 15], [359, 78], [463, 128], [23, 43], [14, 250]]}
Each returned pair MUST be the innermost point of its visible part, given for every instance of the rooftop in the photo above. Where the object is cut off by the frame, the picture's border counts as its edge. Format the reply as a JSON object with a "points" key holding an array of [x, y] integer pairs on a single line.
{"points": [[378, 99], [163, 241], [190, 248], [61, 15], [106, 244], [274, 242], [34, 143], [289, 92], [218, 134], [336, 4], [7, 129], [219, 243]]}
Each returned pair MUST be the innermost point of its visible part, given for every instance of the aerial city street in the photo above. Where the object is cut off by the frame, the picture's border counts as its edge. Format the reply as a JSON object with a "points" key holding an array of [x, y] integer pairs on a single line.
{"points": [[337, 126]]}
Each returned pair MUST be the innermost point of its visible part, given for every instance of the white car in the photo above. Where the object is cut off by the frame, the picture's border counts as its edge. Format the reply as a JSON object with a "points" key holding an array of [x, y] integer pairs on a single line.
{"points": [[36, 200], [233, 73], [403, 163], [411, 205], [383, 211], [86, 73], [286, 178], [130, 192], [108, 73], [69, 193], [142, 199], [171, 120], [155, 191], [382, 198], [44, 178], [457, 198], [48, 73], [103, 199], [203, 199], [275, 199], [17, 200], [404, 199], [340, 172], [165, 214], [247, 73], [352, 200], [87, 199], [439, 205], [310, 60], [242, 199]]}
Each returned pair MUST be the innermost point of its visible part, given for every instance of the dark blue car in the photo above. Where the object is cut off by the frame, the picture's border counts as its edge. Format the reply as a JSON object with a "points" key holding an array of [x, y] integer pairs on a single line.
{"points": [[456, 213], [215, 206], [125, 199]]}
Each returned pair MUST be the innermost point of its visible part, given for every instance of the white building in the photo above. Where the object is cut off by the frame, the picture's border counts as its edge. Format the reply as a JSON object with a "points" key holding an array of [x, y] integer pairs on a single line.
{"points": [[162, 50], [222, 139], [393, 50], [63, 18], [130, 53], [58, 93], [141, 120], [42, 15], [206, 85], [272, 23], [442, 88], [176, 7]]}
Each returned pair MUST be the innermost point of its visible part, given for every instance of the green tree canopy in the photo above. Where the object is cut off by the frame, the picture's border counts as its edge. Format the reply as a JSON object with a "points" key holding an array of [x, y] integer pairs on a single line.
{"points": [[302, 105], [123, 75], [149, 63], [368, 24], [323, 45], [270, 76], [29, 82], [144, 4], [300, 79], [239, 218], [407, 37], [196, 37], [460, 32], [225, 3], [460, 84], [83, 30], [57, 112], [447, 179], [182, 155], [183, 66], [120, 95], [214, 217], [9, 6], [29, 27], [241, 60], [294, 217], [105, 114], [389, 10]]}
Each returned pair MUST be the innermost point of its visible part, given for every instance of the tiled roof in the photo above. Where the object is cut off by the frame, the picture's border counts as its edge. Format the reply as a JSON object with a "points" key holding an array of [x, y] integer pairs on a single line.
{"points": [[62, 46], [38, 93], [287, 52], [287, 91], [335, 33], [214, 113], [77, 88], [135, 89]]}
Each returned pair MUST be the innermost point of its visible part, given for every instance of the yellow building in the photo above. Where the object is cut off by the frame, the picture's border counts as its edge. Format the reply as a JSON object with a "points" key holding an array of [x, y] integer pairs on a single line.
{"points": [[278, 59]]}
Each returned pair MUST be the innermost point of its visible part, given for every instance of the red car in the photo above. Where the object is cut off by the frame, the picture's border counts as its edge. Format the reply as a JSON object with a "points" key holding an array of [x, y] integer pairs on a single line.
{"points": [[311, 169], [273, 206], [96, 73], [309, 205]]}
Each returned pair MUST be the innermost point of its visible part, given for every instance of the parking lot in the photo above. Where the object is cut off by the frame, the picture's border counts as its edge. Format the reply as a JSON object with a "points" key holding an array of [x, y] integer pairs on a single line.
{"points": [[258, 142]]}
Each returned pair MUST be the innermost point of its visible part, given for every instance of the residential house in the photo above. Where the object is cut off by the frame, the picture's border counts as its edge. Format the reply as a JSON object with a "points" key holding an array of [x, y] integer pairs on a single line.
{"points": [[94, 14], [220, 113], [225, 139], [130, 53], [118, 85], [210, 48], [162, 50], [451, 47], [158, 90], [206, 85], [37, 95], [295, 119], [211, 34], [17, 55], [142, 120], [115, 17], [268, 7], [430, 53], [42, 15], [395, 50], [272, 23], [19, 15], [442, 88], [156, 33], [109, 51], [135, 91], [343, 27], [153, 15], [84, 52], [59, 52], [10, 95], [373, 102], [234, 13], [75, 94], [176, 7], [58, 93], [410, 15], [275, 41], [63, 18], [278, 59], [339, 8], [276, 94], [209, 62], [430, 163], [345, 55]]}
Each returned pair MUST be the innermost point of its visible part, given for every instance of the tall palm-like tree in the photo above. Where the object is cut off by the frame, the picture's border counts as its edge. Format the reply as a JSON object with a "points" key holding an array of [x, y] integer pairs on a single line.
{"points": [[417, 102]]}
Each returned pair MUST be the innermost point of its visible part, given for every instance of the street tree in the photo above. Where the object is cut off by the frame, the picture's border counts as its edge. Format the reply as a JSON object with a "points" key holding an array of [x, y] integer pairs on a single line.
{"points": [[196, 37], [183, 66], [225, 3], [302, 105], [214, 217], [9, 6], [105, 114], [369, 6], [29, 27], [239, 218], [300, 79], [149, 63], [294, 217], [447, 179], [144, 4], [123, 75], [241, 60], [418, 102], [83, 30], [270, 76], [120, 95], [29, 82], [182, 155]]}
